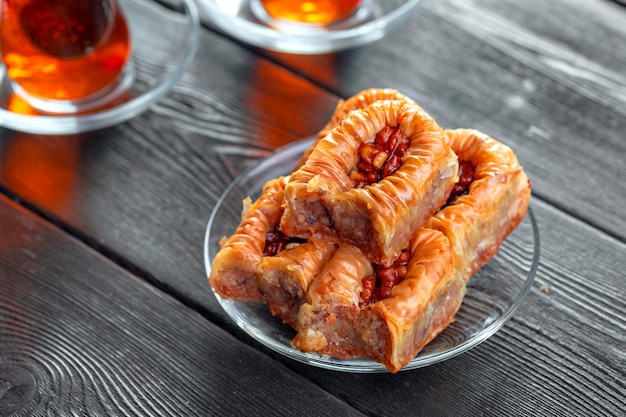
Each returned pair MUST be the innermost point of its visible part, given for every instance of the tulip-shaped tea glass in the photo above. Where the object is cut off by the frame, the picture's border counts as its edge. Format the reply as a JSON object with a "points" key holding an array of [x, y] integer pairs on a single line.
{"points": [[307, 26], [310, 14], [65, 56]]}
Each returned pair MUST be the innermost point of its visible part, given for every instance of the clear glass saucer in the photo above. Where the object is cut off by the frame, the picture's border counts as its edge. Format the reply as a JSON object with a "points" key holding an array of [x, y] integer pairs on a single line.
{"points": [[493, 294], [239, 19], [164, 41]]}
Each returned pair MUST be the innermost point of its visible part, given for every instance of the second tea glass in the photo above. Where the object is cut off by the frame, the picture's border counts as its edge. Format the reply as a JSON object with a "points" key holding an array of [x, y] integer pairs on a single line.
{"points": [[254, 22]]}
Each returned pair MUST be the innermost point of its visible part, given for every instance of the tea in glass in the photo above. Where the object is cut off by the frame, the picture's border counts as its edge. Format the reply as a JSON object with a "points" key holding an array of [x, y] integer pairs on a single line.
{"points": [[63, 50], [318, 12]]}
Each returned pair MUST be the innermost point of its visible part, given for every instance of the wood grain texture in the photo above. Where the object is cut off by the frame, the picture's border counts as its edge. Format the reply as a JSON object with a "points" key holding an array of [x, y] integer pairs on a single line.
{"points": [[547, 78], [562, 353], [81, 336]]}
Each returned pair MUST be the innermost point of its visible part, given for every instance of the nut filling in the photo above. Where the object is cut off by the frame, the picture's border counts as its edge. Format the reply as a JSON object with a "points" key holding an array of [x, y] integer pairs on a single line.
{"points": [[466, 176], [276, 241], [379, 158], [378, 287]]}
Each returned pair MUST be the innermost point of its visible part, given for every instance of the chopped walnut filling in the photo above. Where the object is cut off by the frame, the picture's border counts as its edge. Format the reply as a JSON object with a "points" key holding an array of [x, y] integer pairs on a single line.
{"points": [[375, 288], [379, 158], [466, 176], [276, 241]]}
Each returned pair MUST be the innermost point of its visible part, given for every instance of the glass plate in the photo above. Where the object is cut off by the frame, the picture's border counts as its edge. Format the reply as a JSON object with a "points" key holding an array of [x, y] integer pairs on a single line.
{"points": [[374, 20], [493, 294], [164, 41]]}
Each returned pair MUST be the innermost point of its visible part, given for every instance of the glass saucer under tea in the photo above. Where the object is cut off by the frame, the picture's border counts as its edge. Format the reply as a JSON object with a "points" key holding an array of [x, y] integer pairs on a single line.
{"points": [[164, 40], [240, 19], [493, 294]]}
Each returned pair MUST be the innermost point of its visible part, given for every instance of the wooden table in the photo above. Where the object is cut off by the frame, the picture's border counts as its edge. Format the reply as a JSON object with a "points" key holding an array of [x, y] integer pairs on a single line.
{"points": [[104, 304]]}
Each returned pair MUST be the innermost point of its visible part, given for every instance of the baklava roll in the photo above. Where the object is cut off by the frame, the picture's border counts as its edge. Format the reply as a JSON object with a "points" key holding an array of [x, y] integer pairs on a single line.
{"points": [[235, 268], [285, 278], [356, 102], [343, 319], [260, 263], [490, 199], [372, 181]]}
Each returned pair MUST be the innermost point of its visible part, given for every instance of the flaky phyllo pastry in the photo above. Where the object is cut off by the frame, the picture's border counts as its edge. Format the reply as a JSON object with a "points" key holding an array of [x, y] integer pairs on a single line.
{"points": [[366, 247], [322, 201], [357, 102], [336, 320], [260, 263], [489, 201], [486, 210]]}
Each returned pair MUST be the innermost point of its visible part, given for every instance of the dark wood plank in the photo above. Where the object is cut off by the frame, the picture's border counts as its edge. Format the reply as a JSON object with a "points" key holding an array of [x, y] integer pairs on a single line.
{"points": [[547, 78], [562, 353], [81, 336]]}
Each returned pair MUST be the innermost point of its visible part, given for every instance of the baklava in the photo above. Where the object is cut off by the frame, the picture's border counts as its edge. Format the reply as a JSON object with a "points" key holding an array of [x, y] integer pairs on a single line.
{"points": [[356, 308], [368, 255], [489, 200], [343, 319], [372, 181], [357, 102], [259, 263]]}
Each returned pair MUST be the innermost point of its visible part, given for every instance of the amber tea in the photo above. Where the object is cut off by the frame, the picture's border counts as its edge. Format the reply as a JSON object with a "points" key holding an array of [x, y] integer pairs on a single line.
{"points": [[320, 12], [63, 49]]}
